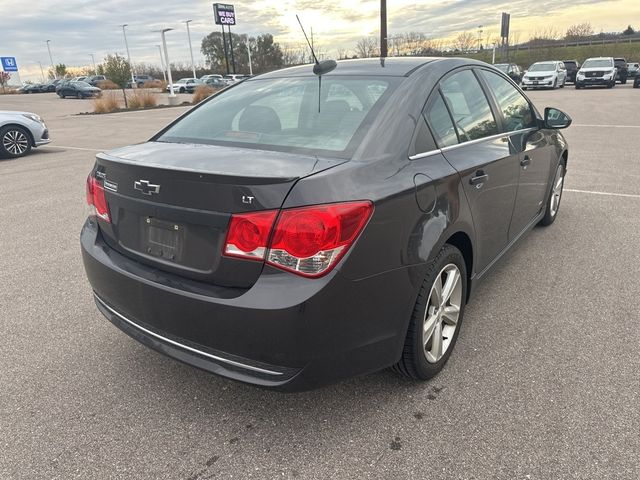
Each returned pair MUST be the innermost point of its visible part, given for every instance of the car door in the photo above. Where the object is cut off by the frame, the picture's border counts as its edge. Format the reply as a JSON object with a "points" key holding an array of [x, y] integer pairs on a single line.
{"points": [[465, 126], [530, 146]]}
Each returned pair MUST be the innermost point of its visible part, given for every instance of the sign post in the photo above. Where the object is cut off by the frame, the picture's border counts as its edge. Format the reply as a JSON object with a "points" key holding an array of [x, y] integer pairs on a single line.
{"points": [[224, 14], [9, 64], [504, 32]]}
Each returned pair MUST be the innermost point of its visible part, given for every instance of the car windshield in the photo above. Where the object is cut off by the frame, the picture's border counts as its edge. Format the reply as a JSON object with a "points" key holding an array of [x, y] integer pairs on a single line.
{"points": [[542, 67], [598, 63], [183, 80], [282, 114], [503, 67]]}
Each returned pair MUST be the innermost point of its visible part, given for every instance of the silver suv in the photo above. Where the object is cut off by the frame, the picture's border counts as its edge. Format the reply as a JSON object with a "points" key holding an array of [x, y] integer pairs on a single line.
{"points": [[597, 71]]}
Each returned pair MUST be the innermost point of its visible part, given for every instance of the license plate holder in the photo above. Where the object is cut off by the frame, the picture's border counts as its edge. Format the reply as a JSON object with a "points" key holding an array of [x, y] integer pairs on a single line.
{"points": [[163, 239], [535, 82]]}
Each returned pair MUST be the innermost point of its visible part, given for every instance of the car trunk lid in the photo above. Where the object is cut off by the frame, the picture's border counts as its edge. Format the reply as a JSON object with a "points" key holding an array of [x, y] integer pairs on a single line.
{"points": [[171, 203]]}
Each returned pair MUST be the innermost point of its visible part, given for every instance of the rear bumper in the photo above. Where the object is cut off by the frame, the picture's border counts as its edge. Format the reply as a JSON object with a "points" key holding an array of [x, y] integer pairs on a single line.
{"points": [[285, 332]]}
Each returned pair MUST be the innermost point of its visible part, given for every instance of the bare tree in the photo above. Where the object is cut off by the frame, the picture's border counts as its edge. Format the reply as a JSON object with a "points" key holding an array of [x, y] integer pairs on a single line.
{"points": [[579, 31], [464, 42], [367, 47]]}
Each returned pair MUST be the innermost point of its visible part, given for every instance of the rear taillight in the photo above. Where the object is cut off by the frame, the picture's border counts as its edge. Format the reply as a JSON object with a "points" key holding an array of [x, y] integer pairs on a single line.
{"points": [[308, 241], [248, 234], [97, 199]]}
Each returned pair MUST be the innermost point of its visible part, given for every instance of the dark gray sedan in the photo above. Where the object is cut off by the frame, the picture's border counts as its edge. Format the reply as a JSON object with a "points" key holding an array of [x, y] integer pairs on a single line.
{"points": [[77, 90], [293, 230]]}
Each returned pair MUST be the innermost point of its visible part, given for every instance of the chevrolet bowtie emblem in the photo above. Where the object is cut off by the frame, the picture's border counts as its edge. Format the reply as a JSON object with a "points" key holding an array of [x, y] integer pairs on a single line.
{"points": [[145, 187]]}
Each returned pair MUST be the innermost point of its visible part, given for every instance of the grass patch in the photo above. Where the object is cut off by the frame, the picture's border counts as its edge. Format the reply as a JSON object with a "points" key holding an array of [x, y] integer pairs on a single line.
{"points": [[202, 92], [107, 85], [107, 103], [142, 99]]}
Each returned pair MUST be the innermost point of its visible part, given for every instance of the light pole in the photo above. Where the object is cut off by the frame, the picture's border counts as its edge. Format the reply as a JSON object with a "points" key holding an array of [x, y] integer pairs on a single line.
{"points": [[133, 80], [93, 60], [53, 69], [479, 37], [164, 71], [172, 95], [41, 71], [383, 28], [249, 54], [193, 67]]}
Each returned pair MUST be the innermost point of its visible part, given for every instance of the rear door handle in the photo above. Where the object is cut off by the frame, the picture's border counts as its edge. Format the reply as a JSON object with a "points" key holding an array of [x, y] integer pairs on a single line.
{"points": [[525, 161], [479, 178]]}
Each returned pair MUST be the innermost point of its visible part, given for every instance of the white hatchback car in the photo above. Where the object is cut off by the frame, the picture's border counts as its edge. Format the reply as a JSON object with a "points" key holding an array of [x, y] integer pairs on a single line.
{"points": [[551, 74], [20, 132]]}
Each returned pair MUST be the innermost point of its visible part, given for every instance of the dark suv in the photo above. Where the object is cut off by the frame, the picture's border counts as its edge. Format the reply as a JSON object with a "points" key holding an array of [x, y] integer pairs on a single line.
{"points": [[623, 70], [511, 69], [572, 67], [289, 239]]}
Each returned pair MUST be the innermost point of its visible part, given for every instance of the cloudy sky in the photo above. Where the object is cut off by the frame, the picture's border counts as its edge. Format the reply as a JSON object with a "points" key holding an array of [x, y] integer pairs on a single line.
{"points": [[78, 28]]}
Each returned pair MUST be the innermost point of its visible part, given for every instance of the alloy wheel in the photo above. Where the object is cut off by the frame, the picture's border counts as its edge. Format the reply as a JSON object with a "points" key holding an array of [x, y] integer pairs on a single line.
{"points": [[556, 193], [442, 313], [15, 142]]}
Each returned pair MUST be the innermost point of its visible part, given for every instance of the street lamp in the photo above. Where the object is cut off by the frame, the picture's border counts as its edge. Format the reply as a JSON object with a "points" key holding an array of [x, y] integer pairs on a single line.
{"points": [[172, 95], [133, 80], [249, 55], [53, 69], [480, 37], [164, 71], [41, 71], [93, 60], [190, 49]]}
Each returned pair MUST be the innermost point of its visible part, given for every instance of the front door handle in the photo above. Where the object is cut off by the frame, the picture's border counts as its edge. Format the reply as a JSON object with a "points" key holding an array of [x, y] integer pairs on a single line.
{"points": [[525, 161], [479, 178]]}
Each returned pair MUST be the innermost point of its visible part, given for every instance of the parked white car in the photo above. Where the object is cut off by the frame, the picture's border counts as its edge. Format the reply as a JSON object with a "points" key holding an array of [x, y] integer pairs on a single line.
{"points": [[232, 78], [204, 78], [184, 84], [551, 74], [597, 71], [20, 132]]}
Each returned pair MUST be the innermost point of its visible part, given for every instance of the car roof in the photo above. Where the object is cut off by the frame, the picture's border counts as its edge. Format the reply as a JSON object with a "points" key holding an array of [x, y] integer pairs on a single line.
{"points": [[394, 66]]}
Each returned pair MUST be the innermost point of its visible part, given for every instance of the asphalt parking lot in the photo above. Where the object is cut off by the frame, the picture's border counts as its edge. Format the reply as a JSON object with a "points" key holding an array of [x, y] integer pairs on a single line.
{"points": [[544, 382]]}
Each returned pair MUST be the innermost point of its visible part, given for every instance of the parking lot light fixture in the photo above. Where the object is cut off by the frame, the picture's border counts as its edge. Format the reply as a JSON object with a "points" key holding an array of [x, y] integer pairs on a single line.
{"points": [[193, 68], [53, 69], [126, 44], [172, 94], [93, 60], [164, 70]]}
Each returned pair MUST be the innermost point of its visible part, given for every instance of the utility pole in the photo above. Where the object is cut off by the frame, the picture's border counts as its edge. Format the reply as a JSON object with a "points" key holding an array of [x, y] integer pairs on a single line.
{"points": [[249, 55], [479, 37], [41, 71], [193, 67], [93, 60], [383, 28]]}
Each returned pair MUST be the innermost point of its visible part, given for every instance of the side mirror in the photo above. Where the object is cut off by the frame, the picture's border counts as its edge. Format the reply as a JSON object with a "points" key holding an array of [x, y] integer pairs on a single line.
{"points": [[556, 119]]}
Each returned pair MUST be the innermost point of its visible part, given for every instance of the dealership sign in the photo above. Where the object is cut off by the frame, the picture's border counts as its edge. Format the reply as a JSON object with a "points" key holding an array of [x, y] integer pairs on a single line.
{"points": [[224, 14], [9, 64]]}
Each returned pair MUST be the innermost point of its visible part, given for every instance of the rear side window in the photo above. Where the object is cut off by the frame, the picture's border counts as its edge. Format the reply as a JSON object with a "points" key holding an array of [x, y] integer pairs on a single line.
{"points": [[515, 108], [440, 122], [469, 106]]}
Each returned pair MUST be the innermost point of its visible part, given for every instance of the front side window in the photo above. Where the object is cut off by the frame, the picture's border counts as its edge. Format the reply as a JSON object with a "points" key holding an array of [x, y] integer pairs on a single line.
{"points": [[469, 106], [515, 108], [287, 114]]}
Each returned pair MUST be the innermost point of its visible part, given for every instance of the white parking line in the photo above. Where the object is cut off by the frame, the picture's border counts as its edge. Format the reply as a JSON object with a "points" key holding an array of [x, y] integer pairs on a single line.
{"points": [[628, 195], [604, 126]]}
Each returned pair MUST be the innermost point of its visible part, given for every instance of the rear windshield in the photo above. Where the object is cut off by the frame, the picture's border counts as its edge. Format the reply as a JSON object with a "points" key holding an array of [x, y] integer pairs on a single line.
{"points": [[593, 63], [282, 114], [542, 67]]}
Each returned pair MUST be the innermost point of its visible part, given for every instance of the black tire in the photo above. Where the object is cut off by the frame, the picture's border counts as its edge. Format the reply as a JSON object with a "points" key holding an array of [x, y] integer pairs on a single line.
{"points": [[62, 95], [413, 362], [4, 152], [578, 87], [181, 90], [612, 84], [79, 96], [549, 214], [623, 80], [636, 85]]}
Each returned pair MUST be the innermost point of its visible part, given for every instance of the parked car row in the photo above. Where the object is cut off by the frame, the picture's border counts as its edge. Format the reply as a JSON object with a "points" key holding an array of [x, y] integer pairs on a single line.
{"points": [[604, 71]]}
